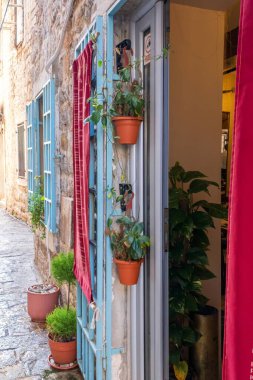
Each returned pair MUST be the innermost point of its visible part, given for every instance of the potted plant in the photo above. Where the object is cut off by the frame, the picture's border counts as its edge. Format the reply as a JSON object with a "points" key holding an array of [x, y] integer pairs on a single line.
{"points": [[127, 108], [41, 298], [189, 221], [61, 323], [129, 246]]}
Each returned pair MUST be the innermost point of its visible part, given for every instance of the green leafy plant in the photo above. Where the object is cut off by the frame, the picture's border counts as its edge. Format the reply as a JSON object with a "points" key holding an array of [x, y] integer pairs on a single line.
{"points": [[189, 221], [61, 324], [62, 270], [36, 207], [127, 239], [127, 100]]}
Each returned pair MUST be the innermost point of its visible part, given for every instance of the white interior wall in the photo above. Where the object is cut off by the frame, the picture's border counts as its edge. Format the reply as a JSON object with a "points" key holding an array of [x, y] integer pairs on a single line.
{"points": [[196, 67]]}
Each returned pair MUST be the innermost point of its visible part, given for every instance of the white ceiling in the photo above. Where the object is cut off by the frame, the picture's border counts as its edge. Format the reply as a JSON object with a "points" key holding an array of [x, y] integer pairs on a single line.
{"points": [[219, 5]]}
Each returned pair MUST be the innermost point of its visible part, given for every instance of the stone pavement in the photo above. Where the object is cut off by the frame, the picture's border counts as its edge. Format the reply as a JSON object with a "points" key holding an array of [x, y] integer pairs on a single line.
{"points": [[23, 344]]}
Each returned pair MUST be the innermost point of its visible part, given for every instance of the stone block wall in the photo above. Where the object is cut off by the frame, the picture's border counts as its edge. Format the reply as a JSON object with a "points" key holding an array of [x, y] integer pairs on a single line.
{"points": [[25, 75]]}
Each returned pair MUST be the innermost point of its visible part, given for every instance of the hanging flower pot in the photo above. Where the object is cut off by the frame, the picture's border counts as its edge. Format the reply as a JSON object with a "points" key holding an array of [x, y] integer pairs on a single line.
{"points": [[126, 129], [128, 271], [41, 300]]}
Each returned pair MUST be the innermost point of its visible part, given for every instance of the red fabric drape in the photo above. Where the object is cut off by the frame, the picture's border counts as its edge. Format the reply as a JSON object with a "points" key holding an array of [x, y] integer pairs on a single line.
{"points": [[238, 343], [81, 155]]}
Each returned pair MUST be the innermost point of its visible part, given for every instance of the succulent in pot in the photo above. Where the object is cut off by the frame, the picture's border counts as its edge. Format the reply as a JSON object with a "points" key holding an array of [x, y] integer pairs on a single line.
{"points": [[61, 323], [42, 299], [129, 246]]}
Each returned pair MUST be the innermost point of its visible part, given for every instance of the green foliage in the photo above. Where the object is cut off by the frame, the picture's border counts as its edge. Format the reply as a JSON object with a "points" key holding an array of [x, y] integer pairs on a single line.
{"points": [[61, 324], [36, 207], [62, 268], [188, 246], [128, 97], [127, 239]]}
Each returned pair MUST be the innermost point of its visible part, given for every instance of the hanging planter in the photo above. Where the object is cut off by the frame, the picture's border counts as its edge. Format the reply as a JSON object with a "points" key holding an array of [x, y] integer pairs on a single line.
{"points": [[127, 128], [126, 109], [128, 271], [41, 300], [129, 246]]}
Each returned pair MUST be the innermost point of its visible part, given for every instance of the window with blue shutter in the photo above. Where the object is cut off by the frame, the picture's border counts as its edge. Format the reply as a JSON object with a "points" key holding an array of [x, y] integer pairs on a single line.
{"points": [[30, 147], [49, 154]]}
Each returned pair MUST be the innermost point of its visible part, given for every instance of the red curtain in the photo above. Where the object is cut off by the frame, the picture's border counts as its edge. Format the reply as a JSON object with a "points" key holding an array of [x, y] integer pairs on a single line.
{"points": [[238, 343], [81, 154]]}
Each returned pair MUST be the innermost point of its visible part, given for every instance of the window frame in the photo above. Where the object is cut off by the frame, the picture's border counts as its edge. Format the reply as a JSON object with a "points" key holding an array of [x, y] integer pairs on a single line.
{"points": [[20, 125], [19, 22]]}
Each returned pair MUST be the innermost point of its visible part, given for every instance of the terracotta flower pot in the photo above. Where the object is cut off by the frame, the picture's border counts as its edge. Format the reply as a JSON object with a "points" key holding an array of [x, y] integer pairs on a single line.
{"points": [[127, 128], [128, 271], [62, 352], [39, 305]]}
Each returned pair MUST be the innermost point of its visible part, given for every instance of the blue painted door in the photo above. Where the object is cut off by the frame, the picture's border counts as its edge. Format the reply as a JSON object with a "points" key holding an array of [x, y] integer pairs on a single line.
{"points": [[90, 347]]}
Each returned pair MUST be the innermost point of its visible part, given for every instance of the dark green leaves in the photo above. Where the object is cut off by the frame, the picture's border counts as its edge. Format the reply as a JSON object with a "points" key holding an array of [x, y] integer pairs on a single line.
{"points": [[188, 176], [198, 185], [202, 220], [189, 221]]}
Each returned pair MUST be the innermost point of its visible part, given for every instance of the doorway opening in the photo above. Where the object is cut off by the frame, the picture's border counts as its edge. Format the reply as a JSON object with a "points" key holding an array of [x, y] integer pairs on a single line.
{"points": [[203, 45]]}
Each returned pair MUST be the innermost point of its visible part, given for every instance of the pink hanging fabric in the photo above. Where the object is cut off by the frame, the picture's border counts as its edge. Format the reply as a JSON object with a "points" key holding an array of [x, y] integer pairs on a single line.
{"points": [[238, 341], [81, 154]]}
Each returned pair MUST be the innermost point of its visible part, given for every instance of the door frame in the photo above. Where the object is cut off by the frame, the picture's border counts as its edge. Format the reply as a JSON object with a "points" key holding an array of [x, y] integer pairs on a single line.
{"points": [[137, 293]]}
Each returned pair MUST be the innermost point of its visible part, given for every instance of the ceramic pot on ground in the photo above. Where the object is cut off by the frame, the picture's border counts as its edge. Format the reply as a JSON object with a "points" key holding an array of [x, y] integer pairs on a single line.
{"points": [[127, 128], [128, 271], [204, 354], [62, 352], [41, 300]]}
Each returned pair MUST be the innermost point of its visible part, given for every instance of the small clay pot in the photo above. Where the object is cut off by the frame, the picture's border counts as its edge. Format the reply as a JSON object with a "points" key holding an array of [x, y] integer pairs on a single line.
{"points": [[128, 271], [39, 305], [62, 352], [127, 128]]}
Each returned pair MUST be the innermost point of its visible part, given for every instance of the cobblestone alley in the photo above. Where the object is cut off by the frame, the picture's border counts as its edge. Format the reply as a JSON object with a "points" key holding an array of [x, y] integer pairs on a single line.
{"points": [[23, 345]]}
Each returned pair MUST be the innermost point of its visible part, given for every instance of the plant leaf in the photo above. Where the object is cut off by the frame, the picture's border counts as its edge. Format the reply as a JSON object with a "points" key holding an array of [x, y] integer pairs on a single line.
{"points": [[190, 175], [180, 370], [202, 220], [198, 185]]}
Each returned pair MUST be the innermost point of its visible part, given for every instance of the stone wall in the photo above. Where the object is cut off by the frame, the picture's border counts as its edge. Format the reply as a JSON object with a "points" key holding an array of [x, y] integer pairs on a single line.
{"points": [[25, 76]]}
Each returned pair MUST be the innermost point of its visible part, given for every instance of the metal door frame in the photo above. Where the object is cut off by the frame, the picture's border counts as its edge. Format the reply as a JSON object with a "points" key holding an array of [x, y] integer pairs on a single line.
{"points": [[137, 294]]}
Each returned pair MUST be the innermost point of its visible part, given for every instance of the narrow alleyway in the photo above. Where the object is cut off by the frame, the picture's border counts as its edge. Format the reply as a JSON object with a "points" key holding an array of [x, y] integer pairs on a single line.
{"points": [[23, 345]]}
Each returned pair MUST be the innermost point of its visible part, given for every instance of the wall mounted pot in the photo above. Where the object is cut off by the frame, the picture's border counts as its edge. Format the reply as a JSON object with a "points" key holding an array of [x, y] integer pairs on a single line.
{"points": [[128, 271], [62, 352], [127, 129], [41, 300]]}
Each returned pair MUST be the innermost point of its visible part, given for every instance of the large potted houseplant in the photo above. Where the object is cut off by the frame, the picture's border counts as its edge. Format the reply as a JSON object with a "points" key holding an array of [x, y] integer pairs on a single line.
{"points": [[129, 246], [41, 298], [61, 323], [190, 217]]}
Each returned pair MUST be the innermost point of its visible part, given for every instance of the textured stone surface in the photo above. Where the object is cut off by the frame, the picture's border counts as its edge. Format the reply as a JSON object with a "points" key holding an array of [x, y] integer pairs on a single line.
{"points": [[23, 344]]}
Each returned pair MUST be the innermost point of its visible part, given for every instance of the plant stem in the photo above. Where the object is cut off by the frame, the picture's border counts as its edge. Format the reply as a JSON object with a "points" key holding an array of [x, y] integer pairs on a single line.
{"points": [[68, 295]]}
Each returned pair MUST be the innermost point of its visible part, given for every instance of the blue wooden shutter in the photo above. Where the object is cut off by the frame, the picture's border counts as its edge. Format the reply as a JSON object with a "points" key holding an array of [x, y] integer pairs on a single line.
{"points": [[30, 147], [49, 154]]}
